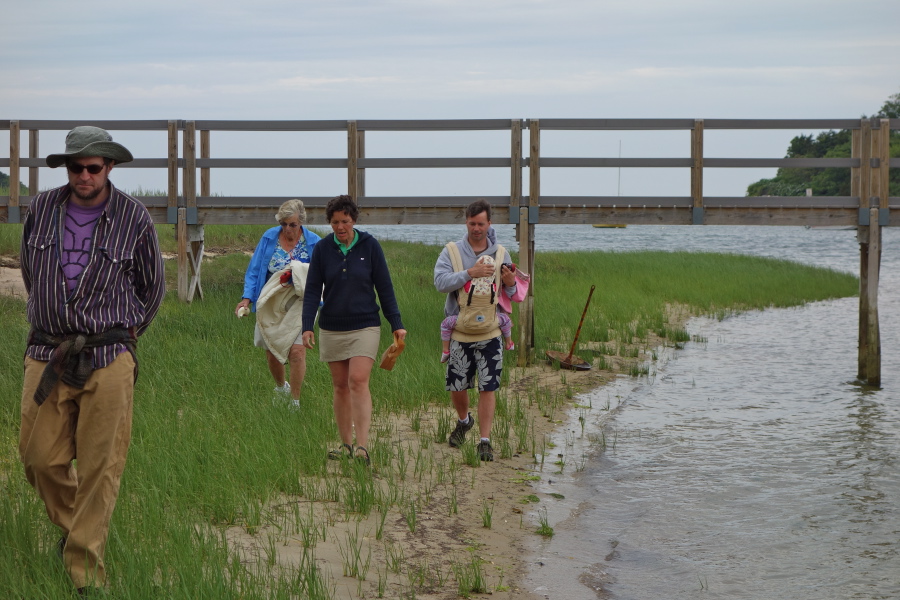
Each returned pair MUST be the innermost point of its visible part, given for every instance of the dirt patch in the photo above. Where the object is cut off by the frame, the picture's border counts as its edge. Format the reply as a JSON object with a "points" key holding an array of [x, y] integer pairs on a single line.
{"points": [[11, 283]]}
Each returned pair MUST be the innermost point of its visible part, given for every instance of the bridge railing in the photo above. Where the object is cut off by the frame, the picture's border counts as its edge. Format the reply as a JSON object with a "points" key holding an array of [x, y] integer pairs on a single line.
{"points": [[196, 166]]}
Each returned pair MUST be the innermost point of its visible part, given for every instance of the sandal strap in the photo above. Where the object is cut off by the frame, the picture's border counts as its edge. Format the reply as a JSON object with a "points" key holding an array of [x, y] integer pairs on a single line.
{"points": [[339, 453], [366, 457]]}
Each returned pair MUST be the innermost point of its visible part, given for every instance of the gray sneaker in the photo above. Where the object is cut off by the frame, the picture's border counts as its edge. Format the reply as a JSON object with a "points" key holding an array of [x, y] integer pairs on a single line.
{"points": [[458, 437], [485, 452]]}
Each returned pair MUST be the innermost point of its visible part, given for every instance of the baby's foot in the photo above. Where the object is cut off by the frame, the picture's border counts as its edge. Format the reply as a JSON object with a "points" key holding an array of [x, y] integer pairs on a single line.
{"points": [[445, 356], [509, 344]]}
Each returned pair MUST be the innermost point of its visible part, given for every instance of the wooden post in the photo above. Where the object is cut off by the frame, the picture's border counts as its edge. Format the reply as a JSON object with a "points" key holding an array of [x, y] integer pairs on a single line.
{"points": [[205, 184], [352, 161], [863, 150], [862, 236], [33, 152], [181, 237], [193, 231], [197, 237], [526, 242], [879, 198], [360, 173], [189, 175], [172, 166], [13, 213], [697, 217], [883, 152], [515, 203], [873, 356]]}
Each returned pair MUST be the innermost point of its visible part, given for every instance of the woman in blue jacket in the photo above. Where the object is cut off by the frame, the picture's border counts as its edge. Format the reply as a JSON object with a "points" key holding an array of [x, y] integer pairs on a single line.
{"points": [[277, 248]]}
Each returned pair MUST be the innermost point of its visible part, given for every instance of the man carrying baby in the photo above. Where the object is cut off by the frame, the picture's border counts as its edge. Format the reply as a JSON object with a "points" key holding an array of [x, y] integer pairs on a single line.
{"points": [[473, 359], [483, 285]]}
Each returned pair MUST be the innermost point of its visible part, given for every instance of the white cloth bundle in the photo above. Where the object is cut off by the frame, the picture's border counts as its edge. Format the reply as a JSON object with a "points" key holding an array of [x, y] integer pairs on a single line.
{"points": [[279, 308]]}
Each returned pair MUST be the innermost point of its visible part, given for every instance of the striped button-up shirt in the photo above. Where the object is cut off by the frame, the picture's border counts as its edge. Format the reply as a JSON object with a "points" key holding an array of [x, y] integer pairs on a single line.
{"points": [[122, 285]]}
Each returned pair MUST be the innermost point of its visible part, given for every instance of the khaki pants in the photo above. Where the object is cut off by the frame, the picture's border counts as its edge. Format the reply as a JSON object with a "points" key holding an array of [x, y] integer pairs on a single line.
{"points": [[94, 426]]}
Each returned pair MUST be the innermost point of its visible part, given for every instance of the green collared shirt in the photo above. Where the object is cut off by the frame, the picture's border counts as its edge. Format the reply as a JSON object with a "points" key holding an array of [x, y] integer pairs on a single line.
{"points": [[346, 249]]}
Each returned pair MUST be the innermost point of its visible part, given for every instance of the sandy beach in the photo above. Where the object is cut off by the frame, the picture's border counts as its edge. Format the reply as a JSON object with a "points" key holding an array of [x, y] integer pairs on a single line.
{"points": [[443, 538]]}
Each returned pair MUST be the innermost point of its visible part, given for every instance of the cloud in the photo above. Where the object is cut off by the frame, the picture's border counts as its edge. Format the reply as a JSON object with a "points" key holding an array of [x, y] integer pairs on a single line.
{"points": [[324, 83], [346, 59]]}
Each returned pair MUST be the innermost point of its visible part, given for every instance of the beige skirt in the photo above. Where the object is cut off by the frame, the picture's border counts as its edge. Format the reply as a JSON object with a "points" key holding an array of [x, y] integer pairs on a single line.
{"points": [[341, 345]]}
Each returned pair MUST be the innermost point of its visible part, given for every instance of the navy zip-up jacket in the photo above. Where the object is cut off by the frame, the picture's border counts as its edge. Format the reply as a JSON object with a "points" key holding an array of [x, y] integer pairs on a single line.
{"points": [[350, 282]]}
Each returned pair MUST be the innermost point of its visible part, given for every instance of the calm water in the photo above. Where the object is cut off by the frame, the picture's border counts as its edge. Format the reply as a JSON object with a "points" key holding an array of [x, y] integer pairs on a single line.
{"points": [[749, 466]]}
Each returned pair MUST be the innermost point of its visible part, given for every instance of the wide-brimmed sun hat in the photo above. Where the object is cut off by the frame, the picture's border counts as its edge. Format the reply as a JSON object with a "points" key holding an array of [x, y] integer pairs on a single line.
{"points": [[86, 141]]}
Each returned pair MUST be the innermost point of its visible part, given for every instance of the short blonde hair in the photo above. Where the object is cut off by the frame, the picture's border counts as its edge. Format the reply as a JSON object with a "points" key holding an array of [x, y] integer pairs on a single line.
{"points": [[291, 208]]}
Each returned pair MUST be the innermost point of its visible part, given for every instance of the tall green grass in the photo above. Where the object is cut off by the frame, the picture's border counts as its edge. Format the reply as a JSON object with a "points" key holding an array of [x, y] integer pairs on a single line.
{"points": [[213, 454], [634, 290], [10, 239]]}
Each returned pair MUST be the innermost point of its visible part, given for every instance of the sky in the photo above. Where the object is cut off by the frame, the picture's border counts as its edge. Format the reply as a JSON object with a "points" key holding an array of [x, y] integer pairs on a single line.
{"points": [[443, 59]]}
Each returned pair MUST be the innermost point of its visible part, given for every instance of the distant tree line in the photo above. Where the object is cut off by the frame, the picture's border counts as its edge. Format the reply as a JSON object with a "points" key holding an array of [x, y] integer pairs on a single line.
{"points": [[830, 181], [4, 186]]}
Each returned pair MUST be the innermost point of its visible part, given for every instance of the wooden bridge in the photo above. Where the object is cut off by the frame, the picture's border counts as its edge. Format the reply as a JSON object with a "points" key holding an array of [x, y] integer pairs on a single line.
{"points": [[868, 207]]}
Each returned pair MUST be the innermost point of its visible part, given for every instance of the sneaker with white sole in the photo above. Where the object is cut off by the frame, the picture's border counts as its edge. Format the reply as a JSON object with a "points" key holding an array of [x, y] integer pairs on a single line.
{"points": [[458, 437], [485, 452]]}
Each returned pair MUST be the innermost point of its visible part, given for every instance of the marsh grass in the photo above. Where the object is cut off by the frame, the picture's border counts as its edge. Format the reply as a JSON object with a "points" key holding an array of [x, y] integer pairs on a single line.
{"points": [[213, 459], [487, 513], [356, 562], [544, 527], [10, 238], [470, 577]]}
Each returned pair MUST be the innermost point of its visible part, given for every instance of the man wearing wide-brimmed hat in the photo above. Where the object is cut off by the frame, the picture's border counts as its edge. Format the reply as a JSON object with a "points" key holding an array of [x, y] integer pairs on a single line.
{"points": [[94, 276]]}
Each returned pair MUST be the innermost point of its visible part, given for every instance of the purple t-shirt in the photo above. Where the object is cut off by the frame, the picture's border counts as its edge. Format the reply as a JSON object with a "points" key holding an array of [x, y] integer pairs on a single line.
{"points": [[77, 240]]}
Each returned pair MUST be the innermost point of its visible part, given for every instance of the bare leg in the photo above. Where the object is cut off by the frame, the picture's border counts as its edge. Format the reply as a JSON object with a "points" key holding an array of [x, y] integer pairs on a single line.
{"points": [[486, 403], [297, 360], [275, 368], [360, 397], [342, 415], [352, 398], [461, 404]]}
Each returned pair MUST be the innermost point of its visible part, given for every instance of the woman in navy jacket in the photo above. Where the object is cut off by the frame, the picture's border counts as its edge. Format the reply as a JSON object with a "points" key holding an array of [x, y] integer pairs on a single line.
{"points": [[276, 249], [347, 269]]}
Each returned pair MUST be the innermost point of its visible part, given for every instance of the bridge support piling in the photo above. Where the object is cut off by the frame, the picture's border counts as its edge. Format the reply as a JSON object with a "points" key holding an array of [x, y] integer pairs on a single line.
{"points": [[870, 182], [873, 334]]}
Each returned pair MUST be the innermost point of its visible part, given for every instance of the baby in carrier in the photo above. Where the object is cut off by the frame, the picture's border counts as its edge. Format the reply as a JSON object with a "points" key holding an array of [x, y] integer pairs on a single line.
{"points": [[483, 286]]}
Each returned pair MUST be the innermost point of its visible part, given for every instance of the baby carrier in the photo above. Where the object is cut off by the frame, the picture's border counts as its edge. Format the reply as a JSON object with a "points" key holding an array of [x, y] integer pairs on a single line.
{"points": [[477, 320]]}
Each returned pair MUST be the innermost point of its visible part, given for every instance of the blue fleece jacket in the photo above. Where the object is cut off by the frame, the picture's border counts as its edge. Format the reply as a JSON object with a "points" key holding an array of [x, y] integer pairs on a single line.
{"points": [[349, 282], [258, 270]]}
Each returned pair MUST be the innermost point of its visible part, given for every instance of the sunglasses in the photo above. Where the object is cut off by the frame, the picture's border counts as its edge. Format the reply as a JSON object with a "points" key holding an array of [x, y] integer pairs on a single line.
{"points": [[291, 225], [77, 169]]}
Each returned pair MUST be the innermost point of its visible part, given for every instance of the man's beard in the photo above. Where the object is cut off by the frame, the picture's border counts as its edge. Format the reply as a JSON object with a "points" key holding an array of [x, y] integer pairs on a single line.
{"points": [[90, 195]]}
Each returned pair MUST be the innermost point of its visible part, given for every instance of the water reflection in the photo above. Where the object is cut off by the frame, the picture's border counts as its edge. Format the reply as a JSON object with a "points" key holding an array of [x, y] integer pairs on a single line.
{"points": [[750, 468]]}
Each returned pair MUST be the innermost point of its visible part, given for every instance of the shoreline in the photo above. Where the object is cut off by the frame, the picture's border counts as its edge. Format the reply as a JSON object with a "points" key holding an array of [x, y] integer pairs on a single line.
{"points": [[444, 543], [448, 544]]}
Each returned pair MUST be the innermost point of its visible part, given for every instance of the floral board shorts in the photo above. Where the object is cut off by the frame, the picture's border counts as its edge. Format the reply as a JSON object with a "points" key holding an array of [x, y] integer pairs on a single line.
{"points": [[469, 360]]}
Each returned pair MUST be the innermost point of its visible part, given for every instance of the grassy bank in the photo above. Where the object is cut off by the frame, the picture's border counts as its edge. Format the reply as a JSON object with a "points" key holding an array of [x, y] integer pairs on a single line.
{"points": [[228, 493]]}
